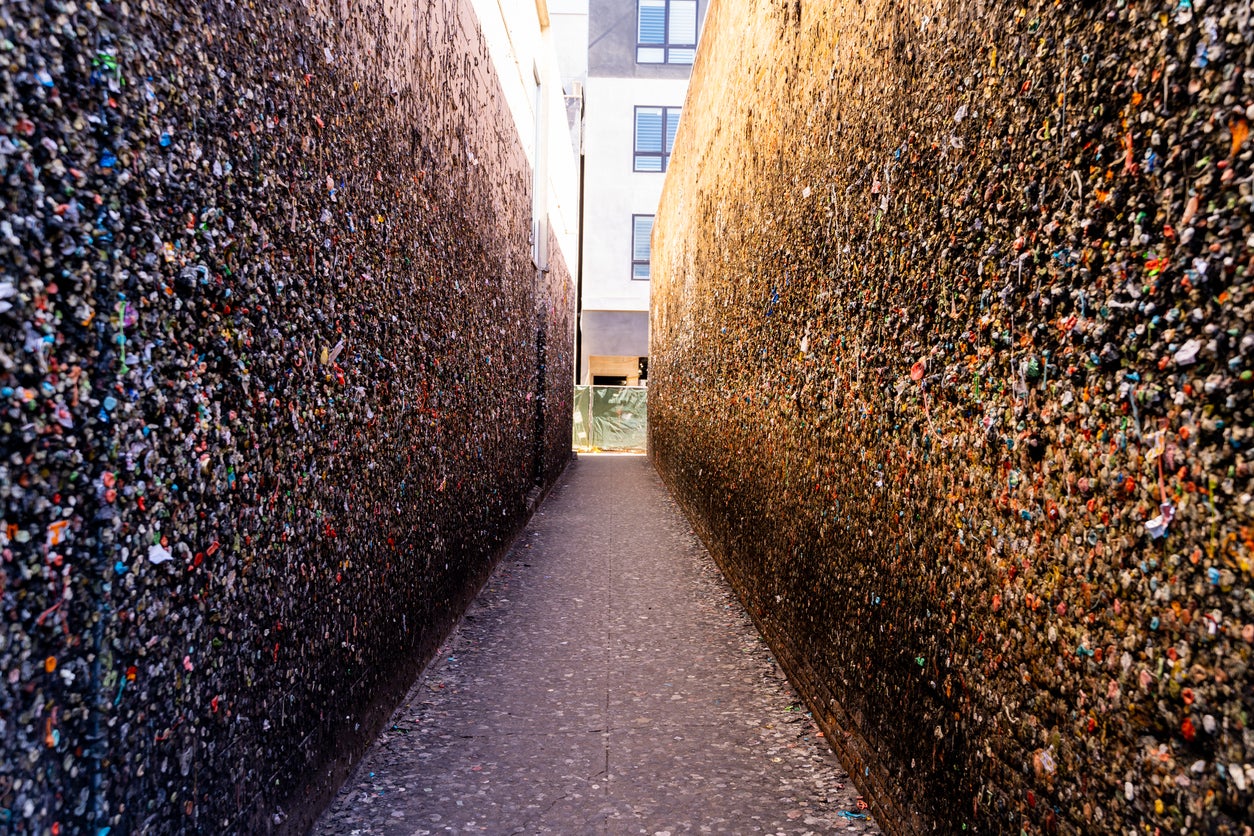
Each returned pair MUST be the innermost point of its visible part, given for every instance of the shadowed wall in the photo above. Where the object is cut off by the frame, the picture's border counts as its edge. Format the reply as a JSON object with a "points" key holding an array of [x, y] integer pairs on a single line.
{"points": [[276, 377]]}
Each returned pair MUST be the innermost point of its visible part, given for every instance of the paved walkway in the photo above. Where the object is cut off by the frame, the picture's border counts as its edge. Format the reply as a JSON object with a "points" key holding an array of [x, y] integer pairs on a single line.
{"points": [[606, 681]]}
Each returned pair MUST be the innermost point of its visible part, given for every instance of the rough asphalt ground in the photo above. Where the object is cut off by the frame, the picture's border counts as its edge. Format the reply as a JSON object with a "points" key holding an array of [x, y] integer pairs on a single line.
{"points": [[605, 681]]}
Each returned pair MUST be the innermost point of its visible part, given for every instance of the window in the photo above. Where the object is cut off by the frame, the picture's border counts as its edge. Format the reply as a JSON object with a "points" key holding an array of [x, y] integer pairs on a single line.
{"points": [[641, 231], [655, 137], [666, 31]]}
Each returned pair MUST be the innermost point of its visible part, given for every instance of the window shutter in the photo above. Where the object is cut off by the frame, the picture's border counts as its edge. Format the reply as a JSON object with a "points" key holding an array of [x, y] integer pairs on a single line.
{"points": [[672, 125], [683, 29], [649, 129], [652, 22], [643, 229]]}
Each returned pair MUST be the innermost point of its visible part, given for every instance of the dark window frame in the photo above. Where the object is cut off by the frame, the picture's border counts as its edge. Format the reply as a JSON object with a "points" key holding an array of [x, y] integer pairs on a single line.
{"points": [[668, 112], [666, 46], [647, 262]]}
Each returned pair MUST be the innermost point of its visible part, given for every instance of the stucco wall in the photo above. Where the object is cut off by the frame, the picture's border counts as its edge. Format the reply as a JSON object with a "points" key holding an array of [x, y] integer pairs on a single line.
{"points": [[613, 192], [612, 36], [613, 333], [520, 50], [276, 376], [951, 365]]}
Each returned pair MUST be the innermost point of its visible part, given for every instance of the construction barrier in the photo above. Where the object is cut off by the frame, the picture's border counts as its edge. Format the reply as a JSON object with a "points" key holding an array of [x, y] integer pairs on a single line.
{"points": [[610, 418]]}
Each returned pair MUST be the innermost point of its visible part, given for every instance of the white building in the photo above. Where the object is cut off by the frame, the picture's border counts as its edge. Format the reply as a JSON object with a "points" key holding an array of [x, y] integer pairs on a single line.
{"points": [[524, 43], [639, 57]]}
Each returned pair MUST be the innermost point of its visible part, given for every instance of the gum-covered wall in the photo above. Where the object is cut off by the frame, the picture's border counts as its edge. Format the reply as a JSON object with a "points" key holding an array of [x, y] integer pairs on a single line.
{"points": [[277, 376], [952, 346]]}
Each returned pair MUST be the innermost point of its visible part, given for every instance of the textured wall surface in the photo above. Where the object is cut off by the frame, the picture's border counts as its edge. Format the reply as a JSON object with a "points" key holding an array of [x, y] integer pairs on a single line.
{"points": [[951, 363], [276, 375]]}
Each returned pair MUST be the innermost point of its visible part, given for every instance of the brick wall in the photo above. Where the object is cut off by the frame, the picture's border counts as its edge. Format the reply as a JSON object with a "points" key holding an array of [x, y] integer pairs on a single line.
{"points": [[276, 378], [951, 367]]}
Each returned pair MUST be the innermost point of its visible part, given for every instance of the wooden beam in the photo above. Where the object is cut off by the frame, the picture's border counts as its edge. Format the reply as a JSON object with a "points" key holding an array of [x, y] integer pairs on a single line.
{"points": [[542, 12]]}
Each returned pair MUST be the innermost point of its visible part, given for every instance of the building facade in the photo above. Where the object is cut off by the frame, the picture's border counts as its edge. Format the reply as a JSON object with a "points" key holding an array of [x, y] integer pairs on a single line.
{"points": [[640, 54], [524, 49]]}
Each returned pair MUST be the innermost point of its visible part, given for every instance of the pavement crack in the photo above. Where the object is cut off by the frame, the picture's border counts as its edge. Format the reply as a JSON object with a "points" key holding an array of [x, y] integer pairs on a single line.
{"points": [[540, 815]]}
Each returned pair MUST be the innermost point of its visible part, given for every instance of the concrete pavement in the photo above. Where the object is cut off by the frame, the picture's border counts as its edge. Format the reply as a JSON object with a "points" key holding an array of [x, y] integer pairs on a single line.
{"points": [[605, 681]]}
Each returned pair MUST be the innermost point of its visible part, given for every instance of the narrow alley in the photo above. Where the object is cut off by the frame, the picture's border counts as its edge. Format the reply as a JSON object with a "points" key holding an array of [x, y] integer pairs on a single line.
{"points": [[605, 681], [934, 320]]}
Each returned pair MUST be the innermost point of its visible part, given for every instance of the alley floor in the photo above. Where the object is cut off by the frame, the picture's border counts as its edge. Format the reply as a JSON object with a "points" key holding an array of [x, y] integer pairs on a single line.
{"points": [[605, 681]]}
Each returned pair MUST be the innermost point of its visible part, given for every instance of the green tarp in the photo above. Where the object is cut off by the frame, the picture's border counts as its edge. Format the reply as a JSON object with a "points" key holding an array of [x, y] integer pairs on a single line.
{"points": [[610, 418]]}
